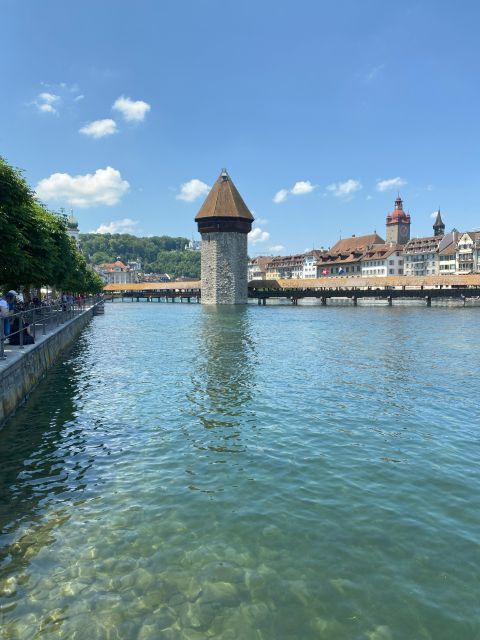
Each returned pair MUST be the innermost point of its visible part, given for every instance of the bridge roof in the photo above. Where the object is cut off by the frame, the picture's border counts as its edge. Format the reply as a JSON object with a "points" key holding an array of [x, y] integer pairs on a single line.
{"points": [[332, 282], [153, 286]]}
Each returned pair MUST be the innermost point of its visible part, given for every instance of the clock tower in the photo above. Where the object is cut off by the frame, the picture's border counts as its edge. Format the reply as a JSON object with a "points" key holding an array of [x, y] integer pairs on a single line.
{"points": [[398, 225]]}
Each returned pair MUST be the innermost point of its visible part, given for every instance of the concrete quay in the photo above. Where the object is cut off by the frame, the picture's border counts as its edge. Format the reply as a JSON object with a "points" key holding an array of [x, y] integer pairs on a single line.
{"points": [[23, 368]]}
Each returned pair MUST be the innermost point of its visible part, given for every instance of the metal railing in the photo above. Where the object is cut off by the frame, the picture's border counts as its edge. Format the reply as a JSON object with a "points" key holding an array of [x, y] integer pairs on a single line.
{"points": [[37, 320]]}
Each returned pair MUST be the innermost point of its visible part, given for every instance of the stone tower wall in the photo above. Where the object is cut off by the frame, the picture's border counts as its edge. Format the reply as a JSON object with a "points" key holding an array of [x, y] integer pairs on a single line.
{"points": [[224, 268], [394, 233]]}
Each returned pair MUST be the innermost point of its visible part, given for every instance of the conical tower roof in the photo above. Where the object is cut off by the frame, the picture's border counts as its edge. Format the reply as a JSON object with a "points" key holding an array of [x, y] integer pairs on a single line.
{"points": [[224, 201]]}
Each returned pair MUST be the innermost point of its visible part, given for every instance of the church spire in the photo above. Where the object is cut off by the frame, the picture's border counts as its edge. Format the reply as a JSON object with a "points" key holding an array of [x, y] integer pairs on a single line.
{"points": [[439, 225]]}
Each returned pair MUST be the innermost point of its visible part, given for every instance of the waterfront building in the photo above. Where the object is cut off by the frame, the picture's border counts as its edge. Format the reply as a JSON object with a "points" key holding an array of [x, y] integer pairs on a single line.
{"points": [[422, 254], [447, 254], [224, 221], [287, 267], [310, 262], [345, 257], [398, 224], [383, 260], [257, 267], [468, 252]]}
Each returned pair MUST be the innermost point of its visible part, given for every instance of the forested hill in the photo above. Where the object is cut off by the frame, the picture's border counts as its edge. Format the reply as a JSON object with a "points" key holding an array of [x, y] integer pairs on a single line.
{"points": [[158, 254]]}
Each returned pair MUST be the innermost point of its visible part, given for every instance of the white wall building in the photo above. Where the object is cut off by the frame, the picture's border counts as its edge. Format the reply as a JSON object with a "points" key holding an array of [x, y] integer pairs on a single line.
{"points": [[421, 256], [383, 260], [468, 252]]}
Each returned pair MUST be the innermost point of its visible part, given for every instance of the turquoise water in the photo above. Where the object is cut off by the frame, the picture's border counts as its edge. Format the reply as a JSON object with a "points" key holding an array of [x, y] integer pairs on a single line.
{"points": [[257, 473]]}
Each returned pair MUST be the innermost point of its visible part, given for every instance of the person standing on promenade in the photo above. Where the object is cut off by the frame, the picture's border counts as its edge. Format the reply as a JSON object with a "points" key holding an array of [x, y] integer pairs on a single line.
{"points": [[6, 309]]}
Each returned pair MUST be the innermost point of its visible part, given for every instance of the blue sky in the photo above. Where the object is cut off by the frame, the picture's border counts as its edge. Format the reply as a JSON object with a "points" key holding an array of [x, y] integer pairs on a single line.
{"points": [[329, 108]]}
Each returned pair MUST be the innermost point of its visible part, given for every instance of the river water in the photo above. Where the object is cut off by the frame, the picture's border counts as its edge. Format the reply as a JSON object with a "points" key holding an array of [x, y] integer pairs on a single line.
{"points": [[257, 473]]}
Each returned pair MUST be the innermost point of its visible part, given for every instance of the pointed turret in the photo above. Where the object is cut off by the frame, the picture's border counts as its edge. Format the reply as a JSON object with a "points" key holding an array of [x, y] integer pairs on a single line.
{"points": [[439, 226]]}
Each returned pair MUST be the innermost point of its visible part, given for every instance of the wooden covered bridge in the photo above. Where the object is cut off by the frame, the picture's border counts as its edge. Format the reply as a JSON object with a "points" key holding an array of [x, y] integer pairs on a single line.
{"points": [[388, 288]]}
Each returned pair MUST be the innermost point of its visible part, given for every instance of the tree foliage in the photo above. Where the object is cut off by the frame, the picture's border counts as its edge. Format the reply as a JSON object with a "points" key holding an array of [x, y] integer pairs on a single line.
{"points": [[158, 254], [35, 248]]}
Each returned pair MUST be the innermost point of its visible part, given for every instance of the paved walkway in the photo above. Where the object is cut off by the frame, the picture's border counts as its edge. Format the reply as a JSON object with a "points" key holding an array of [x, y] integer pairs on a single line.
{"points": [[13, 353]]}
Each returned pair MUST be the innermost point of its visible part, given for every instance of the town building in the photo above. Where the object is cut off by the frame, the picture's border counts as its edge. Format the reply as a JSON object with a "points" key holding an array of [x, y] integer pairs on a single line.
{"points": [[194, 245], [422, 255], [383, 260], [447, 254], [398, 224], [118, 272], [287, 267], [310, 262], [224, 222], [468, 252], [257, 267], [345, 257]]}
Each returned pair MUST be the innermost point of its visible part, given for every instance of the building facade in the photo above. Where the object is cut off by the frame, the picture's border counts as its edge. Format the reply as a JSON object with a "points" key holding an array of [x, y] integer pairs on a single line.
{"points": [[468, 252], [257, 268], [383, 260], [345, 257], [118, 272]]}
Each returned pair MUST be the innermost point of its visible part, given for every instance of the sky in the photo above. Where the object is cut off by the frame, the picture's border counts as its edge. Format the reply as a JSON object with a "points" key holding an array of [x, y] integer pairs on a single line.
{"points": [[126, 112]]}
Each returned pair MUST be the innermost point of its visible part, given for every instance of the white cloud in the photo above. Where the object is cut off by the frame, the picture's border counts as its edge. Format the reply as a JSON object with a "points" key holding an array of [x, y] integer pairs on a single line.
{"points": [[276, 248], [304, 186], [392, 183], [280, 196], [374, 72], [49, 98], [127, 225], [100, 128], [434, 215], [260, 220], [191, 190], [105, 186], [131, 110], [257, 235], [46, 108], [299, 188], [345, 189], [78, 98], [45, 102]]}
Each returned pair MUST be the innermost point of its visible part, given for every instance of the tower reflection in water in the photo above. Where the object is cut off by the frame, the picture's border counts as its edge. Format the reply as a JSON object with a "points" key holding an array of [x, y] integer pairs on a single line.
{"points": [[223, 379]]}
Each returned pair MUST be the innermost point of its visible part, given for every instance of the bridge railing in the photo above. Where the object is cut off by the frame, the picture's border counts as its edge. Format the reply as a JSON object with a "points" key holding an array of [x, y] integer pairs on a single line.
{"points": [[21, 328]]}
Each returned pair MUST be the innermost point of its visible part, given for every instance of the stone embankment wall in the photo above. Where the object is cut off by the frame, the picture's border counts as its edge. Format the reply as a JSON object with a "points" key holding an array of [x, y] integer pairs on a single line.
{"points": [[224, 268], [19, 378]]}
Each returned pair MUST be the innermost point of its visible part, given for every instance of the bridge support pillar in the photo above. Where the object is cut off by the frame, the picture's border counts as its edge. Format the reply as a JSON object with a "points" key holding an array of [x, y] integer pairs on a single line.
{"points": [[324, 301], [259, 301], [428, 300], [390, 301], [264, 301], [354, 299]]}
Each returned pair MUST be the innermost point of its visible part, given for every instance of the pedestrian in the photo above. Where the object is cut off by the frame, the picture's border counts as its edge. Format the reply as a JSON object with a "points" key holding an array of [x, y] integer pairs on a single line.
{"points": [[7, 304]]}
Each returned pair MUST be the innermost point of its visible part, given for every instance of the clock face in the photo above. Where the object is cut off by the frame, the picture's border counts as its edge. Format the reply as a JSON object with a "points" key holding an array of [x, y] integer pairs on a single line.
{"points": [[403, 232]]}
